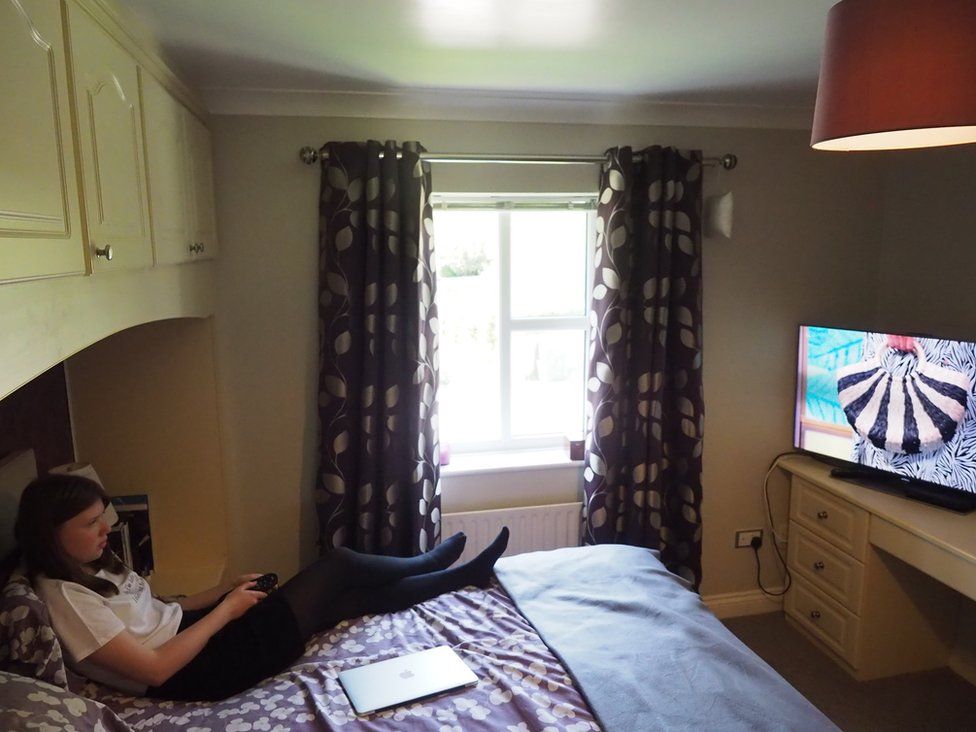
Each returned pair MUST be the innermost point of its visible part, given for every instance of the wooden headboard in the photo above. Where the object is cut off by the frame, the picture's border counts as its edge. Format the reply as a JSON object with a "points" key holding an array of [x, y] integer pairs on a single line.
{"points": [[16, 471], [36, 417]]}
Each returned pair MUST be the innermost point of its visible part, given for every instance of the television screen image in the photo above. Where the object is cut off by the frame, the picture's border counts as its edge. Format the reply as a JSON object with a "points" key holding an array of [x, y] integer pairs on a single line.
{"points": [[896, 403]]}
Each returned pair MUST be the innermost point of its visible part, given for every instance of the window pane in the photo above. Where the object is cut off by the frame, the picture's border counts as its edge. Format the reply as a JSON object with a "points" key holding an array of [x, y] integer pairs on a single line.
{"points": [[548, 263], [466, 246], [547, 382]]}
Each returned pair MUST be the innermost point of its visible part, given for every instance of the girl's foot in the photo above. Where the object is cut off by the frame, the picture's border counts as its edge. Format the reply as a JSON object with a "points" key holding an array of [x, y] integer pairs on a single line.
{"points": [[480, 568], [444, 554]]}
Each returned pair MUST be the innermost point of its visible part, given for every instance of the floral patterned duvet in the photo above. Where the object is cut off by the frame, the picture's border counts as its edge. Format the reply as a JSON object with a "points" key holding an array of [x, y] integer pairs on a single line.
{"points": [[521, 685]]}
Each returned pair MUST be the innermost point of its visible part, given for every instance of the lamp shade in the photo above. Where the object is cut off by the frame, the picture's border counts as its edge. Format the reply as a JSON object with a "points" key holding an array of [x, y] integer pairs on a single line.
{"points": [[897, 74]]}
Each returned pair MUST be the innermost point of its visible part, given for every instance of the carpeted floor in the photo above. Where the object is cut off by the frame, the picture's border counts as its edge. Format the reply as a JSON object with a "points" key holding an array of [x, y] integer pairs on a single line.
{"points": [[933, 700]]}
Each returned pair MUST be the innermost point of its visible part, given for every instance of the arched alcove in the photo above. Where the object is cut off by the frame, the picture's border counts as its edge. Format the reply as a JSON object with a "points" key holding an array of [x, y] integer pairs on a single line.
{"points": [[144, 412]]}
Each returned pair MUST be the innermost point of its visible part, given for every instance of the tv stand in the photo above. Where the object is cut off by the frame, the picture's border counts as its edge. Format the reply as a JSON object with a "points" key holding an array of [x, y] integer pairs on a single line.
{"points": [[915, 489], [876, 577]]}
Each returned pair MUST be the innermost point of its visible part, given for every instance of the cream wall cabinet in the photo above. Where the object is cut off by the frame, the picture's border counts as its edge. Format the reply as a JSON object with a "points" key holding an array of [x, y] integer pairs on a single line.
{"points": [[50, 49], [180, 175], [200, 157], [110, 141], [40, 223], [167, 165]]}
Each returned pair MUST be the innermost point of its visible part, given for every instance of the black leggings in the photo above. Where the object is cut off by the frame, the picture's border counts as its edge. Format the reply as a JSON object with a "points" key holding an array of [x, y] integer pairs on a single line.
{"points": [[345, 584], [341, 585]]}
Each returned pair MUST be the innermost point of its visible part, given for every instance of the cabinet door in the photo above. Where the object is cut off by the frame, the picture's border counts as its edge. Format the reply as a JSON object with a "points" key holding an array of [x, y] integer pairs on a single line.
{"points": [[167, 172], [201, 184], [40, 223], [110, 139]]}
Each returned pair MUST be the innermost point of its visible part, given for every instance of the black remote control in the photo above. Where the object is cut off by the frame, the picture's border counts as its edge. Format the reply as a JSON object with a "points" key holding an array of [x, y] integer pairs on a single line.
{"points": [[266, 582]]}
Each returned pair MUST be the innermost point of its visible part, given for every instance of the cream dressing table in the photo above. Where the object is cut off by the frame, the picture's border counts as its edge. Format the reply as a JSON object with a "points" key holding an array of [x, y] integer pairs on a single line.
{"points": [[877, 577]]}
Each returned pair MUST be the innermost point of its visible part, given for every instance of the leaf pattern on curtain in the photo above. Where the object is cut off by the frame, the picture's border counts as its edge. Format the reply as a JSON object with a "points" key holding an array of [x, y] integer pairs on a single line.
{"points": [[645, 411], [378, 486]]}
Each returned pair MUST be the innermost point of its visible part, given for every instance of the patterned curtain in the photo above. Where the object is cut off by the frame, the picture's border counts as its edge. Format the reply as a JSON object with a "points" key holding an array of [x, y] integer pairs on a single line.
{"points": [[378, 487], [642, 480]]}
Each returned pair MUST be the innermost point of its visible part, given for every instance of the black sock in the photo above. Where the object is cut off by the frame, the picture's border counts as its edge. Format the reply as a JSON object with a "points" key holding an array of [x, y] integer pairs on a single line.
{"points": [[346, 584], [410, 591], [479, 569]]}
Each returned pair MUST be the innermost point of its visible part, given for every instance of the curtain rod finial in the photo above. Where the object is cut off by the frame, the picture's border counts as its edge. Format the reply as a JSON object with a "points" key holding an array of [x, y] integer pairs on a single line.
{"points": [[729, 161], [309, 155]]}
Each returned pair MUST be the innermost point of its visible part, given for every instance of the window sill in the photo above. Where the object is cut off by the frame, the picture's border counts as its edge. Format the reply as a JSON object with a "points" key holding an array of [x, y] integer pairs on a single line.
{"points": [[472, 463]]}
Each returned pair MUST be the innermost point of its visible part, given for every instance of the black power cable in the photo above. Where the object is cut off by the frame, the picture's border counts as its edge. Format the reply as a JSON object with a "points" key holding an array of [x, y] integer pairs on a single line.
{"points": [[757, 542]]}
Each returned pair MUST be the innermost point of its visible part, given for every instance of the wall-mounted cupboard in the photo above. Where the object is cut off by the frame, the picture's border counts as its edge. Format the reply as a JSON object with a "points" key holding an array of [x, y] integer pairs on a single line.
{"points": [[106, 85], [40, 222], [101, 167], [200, 157], [178, 152]]}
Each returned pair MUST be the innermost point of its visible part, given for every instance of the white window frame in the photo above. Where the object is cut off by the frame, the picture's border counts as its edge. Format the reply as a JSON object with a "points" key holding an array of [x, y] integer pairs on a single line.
{"points": [[504, 204]]}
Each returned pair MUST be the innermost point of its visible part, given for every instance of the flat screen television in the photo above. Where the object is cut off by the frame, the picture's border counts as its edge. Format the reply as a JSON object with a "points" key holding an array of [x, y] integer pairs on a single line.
{"points": [[890, 408]]}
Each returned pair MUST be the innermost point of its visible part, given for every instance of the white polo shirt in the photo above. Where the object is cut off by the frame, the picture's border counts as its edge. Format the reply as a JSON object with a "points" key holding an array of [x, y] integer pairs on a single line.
{"points": [[85, 621]]}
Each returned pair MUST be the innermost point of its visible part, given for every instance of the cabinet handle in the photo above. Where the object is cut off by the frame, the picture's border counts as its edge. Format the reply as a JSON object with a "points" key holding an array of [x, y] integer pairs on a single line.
{"points": [[815, 614], [105, 251], [818, 566], [822, 515]]}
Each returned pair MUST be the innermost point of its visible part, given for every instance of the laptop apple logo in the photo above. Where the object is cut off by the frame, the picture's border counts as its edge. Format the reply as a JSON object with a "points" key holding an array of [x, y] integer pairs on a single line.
{"points": [[406, 674]]}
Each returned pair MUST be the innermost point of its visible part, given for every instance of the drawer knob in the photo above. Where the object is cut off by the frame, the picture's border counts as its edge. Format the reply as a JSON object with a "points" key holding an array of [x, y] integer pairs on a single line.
{"points": [[815, 614], [822, 515], [818, 566], [105, 251]]}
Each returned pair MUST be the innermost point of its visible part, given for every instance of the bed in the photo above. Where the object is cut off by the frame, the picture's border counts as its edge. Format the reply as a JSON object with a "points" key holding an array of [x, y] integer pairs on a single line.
{"points": [[572, 640]]}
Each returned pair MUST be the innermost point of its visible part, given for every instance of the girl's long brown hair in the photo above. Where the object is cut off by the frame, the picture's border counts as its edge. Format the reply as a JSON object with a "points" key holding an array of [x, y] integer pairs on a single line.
{"points": [[45, 504]]}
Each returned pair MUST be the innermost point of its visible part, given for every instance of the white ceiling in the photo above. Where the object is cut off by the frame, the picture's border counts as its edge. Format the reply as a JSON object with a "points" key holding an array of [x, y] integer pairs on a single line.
{"points": [[725, 52]]}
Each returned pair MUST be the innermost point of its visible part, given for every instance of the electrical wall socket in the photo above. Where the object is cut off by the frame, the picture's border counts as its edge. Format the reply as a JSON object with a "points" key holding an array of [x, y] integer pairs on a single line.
{"points": [[744, 537]]}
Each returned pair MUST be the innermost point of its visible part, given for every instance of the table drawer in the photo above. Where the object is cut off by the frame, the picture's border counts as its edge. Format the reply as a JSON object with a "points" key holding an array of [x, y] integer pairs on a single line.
{"points": [[834, 625], [840, 523], [829, 570]]}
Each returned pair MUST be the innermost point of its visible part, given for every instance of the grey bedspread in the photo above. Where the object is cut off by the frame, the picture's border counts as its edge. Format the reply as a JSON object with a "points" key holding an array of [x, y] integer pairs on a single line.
{"points": [[644, 650]]}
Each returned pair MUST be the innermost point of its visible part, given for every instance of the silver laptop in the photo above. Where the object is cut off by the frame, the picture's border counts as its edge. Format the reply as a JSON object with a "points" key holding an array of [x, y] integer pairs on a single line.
{"points": [[404, 679]]}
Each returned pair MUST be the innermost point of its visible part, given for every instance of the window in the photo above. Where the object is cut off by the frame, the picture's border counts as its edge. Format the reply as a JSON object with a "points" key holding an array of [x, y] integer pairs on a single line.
{"points": [[513, 291]]}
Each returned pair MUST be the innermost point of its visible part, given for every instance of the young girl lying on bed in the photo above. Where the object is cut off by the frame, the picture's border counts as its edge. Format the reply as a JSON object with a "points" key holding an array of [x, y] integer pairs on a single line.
{"points": [[211, 645]]}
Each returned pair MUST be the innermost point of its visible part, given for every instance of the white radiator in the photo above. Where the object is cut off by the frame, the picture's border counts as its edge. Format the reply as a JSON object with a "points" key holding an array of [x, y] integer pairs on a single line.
{"points": [[532, 528]]}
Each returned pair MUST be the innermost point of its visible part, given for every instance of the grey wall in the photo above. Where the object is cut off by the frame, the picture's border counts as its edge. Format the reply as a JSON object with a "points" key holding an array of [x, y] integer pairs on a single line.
{"points": [[805, 248], [927, 267], [927, 260]]}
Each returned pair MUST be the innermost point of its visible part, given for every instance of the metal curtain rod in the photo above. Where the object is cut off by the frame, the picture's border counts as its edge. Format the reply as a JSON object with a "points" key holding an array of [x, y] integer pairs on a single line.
{"points": [[310, 156]]}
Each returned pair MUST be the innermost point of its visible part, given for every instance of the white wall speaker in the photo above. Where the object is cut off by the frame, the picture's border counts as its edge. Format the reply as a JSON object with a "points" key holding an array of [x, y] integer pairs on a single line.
{"points": [[718, 216]]}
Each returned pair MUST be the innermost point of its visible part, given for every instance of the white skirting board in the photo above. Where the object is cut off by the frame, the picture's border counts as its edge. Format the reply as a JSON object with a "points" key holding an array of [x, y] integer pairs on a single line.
{"points": [[737, 604]]}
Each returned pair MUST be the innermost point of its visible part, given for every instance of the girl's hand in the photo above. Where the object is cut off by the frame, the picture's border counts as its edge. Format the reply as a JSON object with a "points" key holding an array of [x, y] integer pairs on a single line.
{"points": [[241, 599], [244, 579]]}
